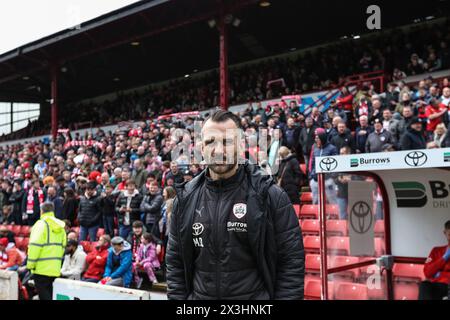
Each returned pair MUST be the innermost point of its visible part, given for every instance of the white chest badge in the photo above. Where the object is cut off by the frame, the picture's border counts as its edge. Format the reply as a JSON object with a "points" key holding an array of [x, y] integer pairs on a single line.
{"points": [[239, 210]]}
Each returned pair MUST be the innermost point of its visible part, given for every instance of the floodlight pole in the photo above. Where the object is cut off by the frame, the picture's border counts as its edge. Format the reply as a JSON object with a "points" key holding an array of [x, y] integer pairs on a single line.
{"points": [[54, 99], [224, 84]]}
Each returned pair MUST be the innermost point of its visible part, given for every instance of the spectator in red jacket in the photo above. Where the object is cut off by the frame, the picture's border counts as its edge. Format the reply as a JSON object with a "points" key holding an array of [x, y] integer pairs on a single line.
{"points": [[96, 260], [437, 271], [435, 113]]}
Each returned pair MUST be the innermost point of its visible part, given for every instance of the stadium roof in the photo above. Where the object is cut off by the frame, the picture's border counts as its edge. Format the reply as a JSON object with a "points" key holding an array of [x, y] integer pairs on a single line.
{"points": [[172, 38]]}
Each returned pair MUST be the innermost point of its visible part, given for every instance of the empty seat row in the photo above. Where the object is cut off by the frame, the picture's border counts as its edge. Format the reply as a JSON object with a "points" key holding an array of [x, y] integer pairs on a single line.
{"points": [[335, 227], [22, 243], [23, 231], [342, 290], [339, 245], [311, 211]]}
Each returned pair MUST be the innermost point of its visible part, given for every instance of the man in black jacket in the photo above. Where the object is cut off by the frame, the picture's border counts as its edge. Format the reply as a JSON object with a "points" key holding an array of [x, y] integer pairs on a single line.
{"points": [[413, 138], [306, 139], [234, 233], [151, 206], [16, 200], [343, 138], [89, 213]]}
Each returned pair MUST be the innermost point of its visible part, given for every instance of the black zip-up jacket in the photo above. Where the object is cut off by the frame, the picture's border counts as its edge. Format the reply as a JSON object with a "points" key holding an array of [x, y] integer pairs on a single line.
{"points": [[234, 239], [135, 204], [151, 205], [89, 211]]}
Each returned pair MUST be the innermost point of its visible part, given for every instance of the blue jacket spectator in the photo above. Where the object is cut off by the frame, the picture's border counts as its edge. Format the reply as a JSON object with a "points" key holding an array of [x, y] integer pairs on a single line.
{"points": [[119, 263]]}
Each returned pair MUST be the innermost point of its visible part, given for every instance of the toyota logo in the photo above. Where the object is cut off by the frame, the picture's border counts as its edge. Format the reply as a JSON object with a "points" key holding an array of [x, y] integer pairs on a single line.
{"points": [[416, 159], [197, 229], [328, 164], [361, 217]]}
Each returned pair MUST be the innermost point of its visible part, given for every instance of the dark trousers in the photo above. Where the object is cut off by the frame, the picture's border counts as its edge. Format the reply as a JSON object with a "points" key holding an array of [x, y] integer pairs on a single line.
{"points": [[108, 224], [44, 286], [432, 290]]}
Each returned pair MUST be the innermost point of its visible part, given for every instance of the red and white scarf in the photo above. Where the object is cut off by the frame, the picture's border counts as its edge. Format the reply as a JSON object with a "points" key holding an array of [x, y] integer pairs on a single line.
{"points": [[30, 200]]}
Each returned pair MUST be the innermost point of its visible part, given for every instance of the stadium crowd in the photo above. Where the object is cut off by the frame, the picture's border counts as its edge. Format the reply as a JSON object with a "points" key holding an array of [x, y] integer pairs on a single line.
{"points": [[399, 52]]}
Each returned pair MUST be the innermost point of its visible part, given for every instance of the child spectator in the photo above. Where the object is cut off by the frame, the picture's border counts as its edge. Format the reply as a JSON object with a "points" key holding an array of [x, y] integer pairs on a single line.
{"points": [[146, 259]]}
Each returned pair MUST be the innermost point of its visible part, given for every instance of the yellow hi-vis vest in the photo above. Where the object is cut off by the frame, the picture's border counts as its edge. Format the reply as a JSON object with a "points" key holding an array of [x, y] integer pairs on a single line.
{"points": [[47, 245]]}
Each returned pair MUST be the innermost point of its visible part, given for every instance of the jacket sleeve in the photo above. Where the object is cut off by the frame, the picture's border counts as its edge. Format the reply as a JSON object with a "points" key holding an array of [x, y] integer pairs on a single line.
{"points": [[290, 265], [125, 265], [37, 239], [107, 272], [153, 206], [137, 209], [433, 265], [176, 283]]}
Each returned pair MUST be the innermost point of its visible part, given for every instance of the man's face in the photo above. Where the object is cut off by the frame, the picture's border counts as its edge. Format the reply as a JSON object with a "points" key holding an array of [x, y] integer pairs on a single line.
{"points": [[378, 126], [153, 188], [137, 231], [174, 167], [117, 247], [51, 192], [101, 242], [220, 145], [417, 126], [387, 115], [130, 188], [90, 192], [308, 122], [407, 112], [446, 92], [363, 121], [341, 128], [290, 122]]}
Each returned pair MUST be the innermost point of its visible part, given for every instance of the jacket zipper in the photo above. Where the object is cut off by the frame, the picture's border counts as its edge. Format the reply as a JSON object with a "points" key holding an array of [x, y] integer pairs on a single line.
{"points": [[216, 240]]}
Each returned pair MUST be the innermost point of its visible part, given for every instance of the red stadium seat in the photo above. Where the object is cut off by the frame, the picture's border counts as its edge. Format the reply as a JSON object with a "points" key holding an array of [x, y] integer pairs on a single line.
{"points": [[10, 227], [309, 211], [18, 241], [306, 198], [312, 263], [313, 289], [370, 269], [379, 228], [406, 291], [408, 272], [351, 291], [380, 247], [310, 227], [339, 245], [16, 230], [377, 293], [25, 244], [341, 261], [303, 168], [25, 231], [297, 210], [337, 228], [332, 211], [311, 244]]}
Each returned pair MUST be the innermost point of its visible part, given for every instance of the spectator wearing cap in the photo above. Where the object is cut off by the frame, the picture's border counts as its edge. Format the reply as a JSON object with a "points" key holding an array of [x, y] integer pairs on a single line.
{"points": [[74, 261], [128, 208], [16, 200], [118, 270], [96, 260], [378, 138], [89, 213], [151, 205], [413, 138]]}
